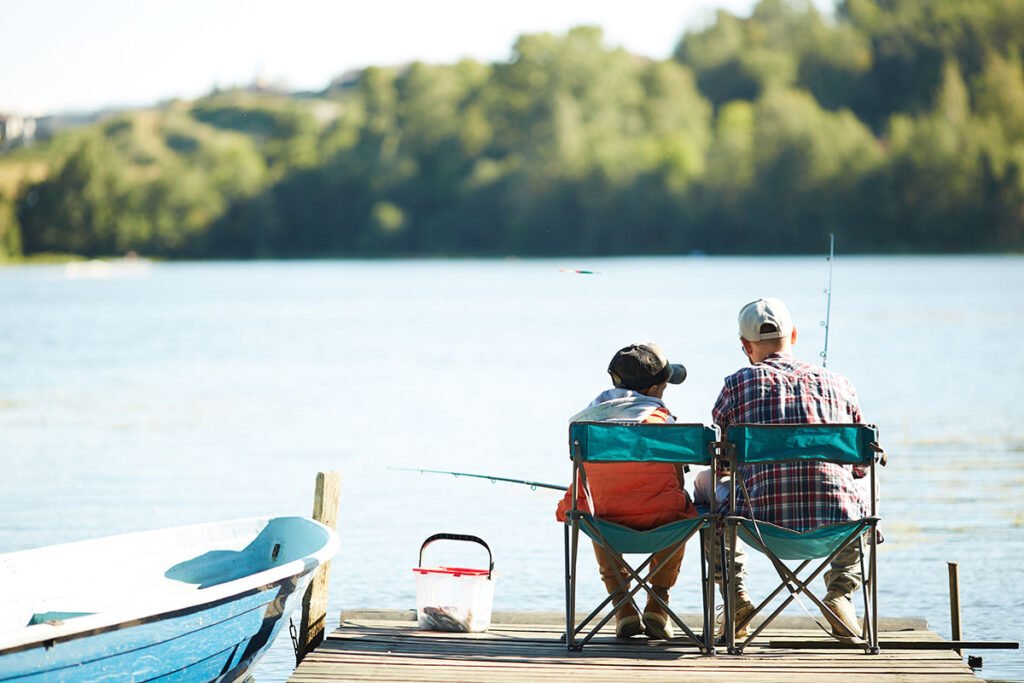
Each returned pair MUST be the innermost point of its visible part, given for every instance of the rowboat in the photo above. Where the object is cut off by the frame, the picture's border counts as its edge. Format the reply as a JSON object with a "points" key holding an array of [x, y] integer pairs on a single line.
{"points": [[185, 604]]}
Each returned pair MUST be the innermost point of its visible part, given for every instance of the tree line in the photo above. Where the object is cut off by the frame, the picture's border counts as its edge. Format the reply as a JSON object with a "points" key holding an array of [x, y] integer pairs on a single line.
{"points": [[897, 125]]}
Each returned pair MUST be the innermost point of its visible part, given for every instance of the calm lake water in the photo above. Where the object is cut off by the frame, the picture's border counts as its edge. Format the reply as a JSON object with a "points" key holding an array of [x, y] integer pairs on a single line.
{"points": [[198, 392]]}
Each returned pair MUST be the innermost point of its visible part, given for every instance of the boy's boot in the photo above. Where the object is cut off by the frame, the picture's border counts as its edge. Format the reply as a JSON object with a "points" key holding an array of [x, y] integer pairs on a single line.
{"points": [[657, 624], [627, 619]]}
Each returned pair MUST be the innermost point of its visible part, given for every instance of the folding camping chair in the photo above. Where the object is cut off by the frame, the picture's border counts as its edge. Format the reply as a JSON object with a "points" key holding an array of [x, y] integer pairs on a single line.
{"points": [[605, 442], [847, 444]]}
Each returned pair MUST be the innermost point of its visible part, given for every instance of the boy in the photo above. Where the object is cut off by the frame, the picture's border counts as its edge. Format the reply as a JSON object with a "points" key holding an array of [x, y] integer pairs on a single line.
{"points": [[637, 495]]}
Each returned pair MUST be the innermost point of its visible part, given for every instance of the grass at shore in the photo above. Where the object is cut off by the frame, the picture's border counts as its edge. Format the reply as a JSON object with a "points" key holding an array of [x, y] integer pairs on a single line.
{"points": [[46, 258]]}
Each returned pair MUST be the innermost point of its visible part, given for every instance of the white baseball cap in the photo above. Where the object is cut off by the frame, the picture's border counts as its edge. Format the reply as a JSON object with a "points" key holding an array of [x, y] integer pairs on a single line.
{"points": [[765, 319]]}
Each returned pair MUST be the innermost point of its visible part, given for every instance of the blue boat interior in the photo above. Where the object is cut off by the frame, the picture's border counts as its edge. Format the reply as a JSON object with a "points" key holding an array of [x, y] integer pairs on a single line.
{"points": [[283, 540]]}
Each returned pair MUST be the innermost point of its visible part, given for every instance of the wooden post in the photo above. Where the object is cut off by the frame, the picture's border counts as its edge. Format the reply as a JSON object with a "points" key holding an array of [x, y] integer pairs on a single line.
{"points": [[314, 602], [954, 602]]}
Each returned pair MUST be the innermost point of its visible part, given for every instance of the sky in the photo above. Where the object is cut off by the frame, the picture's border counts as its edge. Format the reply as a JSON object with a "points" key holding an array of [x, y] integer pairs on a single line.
{"points": [[75, 55]]}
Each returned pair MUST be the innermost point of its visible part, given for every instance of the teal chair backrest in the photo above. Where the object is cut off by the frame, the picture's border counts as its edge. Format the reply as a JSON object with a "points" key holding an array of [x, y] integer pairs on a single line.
{"points": [[849, 444], [626, 442]]}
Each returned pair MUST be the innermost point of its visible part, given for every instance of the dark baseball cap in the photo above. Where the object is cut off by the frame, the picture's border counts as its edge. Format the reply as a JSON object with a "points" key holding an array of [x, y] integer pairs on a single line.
{"points": [[639, 366]]}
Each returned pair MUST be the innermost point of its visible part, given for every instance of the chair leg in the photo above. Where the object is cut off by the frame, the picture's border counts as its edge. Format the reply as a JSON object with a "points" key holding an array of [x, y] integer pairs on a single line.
{"points": [[870, 585], [707, 574], [865, 590], [570, 615], [725, 578], [730, 600], [874, 590]]}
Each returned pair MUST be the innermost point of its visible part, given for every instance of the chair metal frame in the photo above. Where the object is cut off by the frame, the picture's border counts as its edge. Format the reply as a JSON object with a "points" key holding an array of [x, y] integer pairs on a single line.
{"points": [[869, 452], [577, 520]]}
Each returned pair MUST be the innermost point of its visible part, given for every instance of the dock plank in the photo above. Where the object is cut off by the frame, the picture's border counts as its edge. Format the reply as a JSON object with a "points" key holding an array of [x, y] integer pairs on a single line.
{"points": [[368, 647]]}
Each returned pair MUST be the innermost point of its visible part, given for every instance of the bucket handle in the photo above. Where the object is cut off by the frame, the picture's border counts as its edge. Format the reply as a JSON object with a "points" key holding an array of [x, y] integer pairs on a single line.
{"points": [[460, 537]]}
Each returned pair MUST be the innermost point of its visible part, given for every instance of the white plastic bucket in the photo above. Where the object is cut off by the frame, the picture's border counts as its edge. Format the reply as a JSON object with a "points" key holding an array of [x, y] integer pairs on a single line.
{"points": [[454, 598]]}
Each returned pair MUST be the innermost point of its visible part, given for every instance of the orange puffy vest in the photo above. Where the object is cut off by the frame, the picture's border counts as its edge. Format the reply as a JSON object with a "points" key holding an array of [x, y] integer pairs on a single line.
{"points": [[637, 495]]}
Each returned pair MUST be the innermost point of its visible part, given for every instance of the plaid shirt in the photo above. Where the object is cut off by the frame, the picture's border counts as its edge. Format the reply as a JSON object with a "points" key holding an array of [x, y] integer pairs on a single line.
{"points": [[781, 390]]}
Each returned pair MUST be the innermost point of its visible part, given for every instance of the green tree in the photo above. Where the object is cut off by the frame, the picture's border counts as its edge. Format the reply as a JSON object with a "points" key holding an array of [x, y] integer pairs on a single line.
{"points": [[76, 210], [929, 193], [578, 126], [10, 231], [284, 130], [782, 173], [783, 43], [911, 41], [151, 182], [722, 195], [1000, 109], [999, 93]]}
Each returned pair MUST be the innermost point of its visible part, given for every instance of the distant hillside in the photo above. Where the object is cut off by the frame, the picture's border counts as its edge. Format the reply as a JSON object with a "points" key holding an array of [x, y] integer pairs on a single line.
{"points": [[899, 127]]}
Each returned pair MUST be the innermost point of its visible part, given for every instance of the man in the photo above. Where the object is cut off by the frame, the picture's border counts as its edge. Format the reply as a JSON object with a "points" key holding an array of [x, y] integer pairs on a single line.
{"points": [[778, 389], [637, 495]]}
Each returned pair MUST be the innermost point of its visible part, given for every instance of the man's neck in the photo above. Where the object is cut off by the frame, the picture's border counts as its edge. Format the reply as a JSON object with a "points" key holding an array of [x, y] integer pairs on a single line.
{"points": [[760, 356]]}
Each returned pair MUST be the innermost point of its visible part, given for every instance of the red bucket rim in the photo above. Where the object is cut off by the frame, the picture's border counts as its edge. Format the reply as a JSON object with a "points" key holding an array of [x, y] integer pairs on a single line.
{"points": [[454, 571]]}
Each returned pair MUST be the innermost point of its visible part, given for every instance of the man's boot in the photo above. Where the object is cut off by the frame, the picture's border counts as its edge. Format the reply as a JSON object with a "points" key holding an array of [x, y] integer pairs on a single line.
{"points": [[841, 616], [744, 608], [657, 624]]}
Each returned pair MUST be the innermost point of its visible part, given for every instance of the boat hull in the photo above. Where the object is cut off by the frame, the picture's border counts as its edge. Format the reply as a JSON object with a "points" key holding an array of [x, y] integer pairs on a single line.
{"points": [[218, 642]]}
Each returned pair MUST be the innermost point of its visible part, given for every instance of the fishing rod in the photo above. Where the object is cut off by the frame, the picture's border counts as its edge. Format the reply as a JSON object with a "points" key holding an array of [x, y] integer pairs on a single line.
{"points": [[828, 300], [534, 485]]}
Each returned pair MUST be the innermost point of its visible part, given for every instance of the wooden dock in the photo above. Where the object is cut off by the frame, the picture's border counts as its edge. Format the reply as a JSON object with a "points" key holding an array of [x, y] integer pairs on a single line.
{"points": [[525, 646]]}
